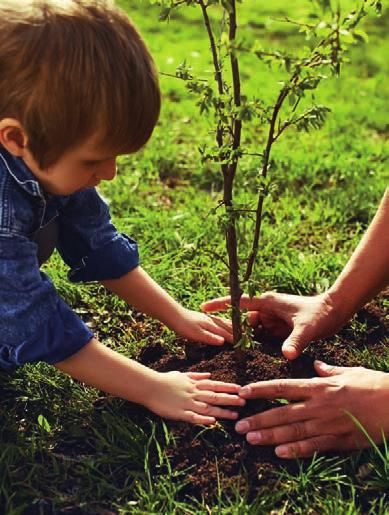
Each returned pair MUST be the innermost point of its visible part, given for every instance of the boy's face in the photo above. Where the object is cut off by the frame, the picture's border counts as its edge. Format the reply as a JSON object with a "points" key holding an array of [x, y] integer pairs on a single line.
{"points": [[84, 166]]}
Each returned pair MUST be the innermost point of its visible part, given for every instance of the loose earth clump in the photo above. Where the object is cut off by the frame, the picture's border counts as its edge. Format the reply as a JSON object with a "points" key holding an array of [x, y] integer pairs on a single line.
{"points": [[219, 455]]}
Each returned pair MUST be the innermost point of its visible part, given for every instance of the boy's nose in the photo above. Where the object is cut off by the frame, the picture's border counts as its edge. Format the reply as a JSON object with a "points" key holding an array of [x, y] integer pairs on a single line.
{"points": [[108, 171]]}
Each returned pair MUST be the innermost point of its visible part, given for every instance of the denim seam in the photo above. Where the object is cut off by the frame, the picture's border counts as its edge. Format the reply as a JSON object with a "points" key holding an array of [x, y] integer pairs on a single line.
{"points": [[5, 211], [35, 186], [12, 232]]}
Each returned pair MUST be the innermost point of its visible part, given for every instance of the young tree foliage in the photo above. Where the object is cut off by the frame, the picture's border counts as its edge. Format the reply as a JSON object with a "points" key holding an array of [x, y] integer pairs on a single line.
{"points": [[327, 32]]}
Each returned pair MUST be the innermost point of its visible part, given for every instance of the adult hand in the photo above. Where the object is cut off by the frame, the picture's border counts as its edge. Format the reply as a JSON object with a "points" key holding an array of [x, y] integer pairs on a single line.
{"points": [[298, 319], [202, 328], [193, 397], [319, 420]]}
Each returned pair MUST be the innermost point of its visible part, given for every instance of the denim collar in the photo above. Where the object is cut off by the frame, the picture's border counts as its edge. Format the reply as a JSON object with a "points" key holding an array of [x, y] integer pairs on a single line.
{"points": [[17, 168]]}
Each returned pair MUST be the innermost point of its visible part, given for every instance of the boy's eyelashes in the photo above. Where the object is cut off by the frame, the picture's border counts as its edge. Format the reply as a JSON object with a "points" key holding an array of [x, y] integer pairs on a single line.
{"points": [[91, 163], [96, 162]]}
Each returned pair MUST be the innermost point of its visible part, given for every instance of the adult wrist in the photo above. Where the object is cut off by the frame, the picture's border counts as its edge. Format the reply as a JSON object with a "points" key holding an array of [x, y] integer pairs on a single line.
{"points": [[339, 304]]}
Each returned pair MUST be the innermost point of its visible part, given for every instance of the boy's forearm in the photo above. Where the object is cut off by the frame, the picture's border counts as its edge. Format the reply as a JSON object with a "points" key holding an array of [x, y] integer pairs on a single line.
{"points": [[141, 291], [367, 271], [100, 367]]}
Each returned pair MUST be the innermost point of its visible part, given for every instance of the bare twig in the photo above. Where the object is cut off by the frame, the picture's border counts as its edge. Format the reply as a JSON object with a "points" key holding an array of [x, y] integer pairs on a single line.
{"points": [[173, 76], [218, 72], [270, 140]]}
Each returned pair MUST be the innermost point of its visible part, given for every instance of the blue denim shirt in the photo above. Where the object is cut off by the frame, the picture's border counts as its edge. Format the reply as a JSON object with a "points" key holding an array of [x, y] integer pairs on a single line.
{"points": [[35, 323]]}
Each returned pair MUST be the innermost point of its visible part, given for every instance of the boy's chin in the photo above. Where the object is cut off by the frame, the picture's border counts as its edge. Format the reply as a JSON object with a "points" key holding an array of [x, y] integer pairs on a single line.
{"points": [[70, 191], [90, 185], [61, 192]]}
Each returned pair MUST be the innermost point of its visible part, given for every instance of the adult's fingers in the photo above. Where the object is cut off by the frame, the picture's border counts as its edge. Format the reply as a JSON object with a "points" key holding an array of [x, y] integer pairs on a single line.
{"points": [[246, 302], [254, 318], [325, 370], [307, 447], [219, 304], [220, 399], [296, 431], [290, 389], [276, 417], [296, 342]]}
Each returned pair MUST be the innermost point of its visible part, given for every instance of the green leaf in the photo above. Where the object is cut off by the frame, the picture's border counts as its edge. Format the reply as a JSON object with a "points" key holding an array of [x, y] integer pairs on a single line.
{"points": [[324, 5], [165, 14], [44, 424], [251, 289], [292, 99], [228, 6], [378, 7]]}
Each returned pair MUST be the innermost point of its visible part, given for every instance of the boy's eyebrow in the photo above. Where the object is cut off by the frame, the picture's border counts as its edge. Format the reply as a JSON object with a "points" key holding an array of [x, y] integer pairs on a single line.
{"points": [[93, 160]]}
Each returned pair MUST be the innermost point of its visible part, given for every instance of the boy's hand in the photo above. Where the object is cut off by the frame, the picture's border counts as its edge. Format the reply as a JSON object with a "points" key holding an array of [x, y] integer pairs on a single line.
{"points": [[193, 397], [202, 328]]}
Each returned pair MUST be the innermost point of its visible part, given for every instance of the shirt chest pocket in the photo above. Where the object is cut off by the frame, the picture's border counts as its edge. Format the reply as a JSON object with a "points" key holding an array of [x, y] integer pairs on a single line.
{"points": [[29, 215]]}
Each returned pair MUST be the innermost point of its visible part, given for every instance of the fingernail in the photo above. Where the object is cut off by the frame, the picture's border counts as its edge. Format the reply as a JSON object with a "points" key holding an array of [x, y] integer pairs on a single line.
{"points": [[242, 426], [290, 349], [254, 437], [245, 390], [282, 451]]}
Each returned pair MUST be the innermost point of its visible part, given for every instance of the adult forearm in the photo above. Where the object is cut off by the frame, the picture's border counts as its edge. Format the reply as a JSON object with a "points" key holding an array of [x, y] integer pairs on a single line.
{"points": [[367, 271], [141, 291], [100, 367]]}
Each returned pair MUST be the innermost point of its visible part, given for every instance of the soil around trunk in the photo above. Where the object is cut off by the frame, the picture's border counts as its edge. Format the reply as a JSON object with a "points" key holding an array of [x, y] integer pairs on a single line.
{"points": [[218, 455]]}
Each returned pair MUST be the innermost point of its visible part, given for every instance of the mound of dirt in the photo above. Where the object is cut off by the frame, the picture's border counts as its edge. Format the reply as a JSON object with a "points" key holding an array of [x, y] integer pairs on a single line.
{"points": [[218, 455]]}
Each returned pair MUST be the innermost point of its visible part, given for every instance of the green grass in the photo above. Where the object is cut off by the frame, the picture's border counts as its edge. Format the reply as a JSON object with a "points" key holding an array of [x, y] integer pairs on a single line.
{"points": [[91, 453]]}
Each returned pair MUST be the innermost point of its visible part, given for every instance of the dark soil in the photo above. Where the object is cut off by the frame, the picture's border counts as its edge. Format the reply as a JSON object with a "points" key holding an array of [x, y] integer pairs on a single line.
{"points": [[219, 455], [214, 456]]}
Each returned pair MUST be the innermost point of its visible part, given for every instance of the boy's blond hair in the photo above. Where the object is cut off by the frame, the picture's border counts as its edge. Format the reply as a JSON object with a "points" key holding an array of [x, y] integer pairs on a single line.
{"points": [[70, 69]]}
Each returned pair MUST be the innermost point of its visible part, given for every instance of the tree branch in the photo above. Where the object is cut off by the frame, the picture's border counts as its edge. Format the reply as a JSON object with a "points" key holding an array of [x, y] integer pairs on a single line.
{"points": [[218, 72], [270, 140]]}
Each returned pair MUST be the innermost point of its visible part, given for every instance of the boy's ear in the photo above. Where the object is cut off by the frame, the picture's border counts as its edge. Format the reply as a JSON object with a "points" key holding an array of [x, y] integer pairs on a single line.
{"points": [[13, 137]]}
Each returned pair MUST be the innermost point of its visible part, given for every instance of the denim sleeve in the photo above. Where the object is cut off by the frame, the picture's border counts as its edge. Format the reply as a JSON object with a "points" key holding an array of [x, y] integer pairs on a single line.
{"points": [[35, 324], [90, 244]]}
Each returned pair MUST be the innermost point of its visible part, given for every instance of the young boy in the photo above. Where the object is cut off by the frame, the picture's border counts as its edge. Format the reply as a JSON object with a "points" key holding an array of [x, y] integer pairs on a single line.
{"points": [[77, 88]]}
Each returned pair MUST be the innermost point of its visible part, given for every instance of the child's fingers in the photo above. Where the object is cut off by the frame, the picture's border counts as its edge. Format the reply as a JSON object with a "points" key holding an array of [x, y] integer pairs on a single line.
{"points": [[196, 418], [220, 399], [222, 322], [198, 375], [219, 331], [220, 327], [214, 411], [215, 329], [211, 338], [218, 386]]}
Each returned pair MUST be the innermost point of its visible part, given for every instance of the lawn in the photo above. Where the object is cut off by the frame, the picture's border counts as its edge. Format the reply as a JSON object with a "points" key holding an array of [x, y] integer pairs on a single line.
{"points": [[67, 448]]}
